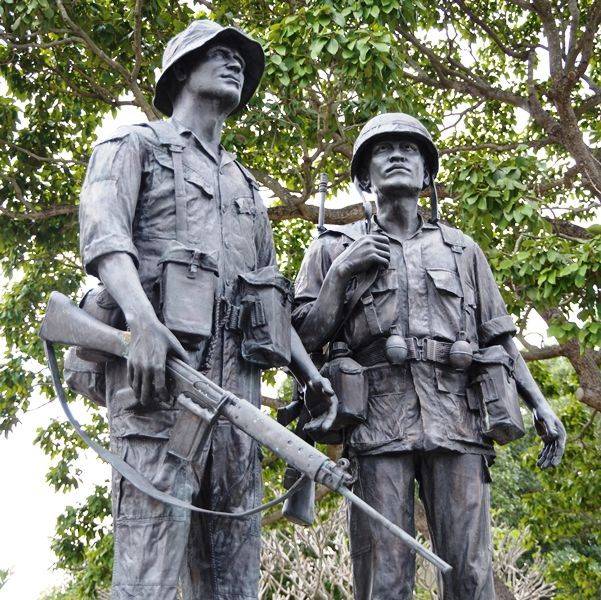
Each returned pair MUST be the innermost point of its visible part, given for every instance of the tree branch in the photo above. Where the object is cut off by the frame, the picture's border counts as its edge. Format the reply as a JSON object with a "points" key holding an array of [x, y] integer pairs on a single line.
{"points": [[137, 39], [113, 64], [63, 161]]}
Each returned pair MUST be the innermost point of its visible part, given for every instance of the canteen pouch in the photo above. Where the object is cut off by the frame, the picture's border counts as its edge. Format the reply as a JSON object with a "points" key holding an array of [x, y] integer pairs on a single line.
{"points": [[98, 303], [187, 293], [492, 391], [350, 386], [266, 305]]}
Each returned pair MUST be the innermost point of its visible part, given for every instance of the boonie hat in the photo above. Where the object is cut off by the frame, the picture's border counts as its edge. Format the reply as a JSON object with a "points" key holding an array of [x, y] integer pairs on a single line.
{"points": [[197, 35], [403, 124]]}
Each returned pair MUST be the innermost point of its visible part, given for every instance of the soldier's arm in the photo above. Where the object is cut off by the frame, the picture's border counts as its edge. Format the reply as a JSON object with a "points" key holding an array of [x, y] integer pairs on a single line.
{"points": [[322, 319], [108, 204], [496, 327]]}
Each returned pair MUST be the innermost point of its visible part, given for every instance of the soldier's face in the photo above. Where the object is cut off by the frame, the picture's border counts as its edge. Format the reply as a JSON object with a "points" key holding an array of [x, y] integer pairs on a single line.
{"points": [[396, 165], [219, 73]]}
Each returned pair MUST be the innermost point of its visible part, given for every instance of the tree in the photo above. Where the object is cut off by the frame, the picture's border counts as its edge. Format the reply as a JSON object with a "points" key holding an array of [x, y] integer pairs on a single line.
{"points": [[511, 89]]}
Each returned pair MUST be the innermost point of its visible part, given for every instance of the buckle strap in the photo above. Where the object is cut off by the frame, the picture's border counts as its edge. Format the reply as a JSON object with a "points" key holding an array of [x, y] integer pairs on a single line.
{"points": [[418, 349]]}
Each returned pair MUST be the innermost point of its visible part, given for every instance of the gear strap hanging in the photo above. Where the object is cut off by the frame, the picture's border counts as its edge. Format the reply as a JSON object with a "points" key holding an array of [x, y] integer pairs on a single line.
{"points": [[136, 479]]}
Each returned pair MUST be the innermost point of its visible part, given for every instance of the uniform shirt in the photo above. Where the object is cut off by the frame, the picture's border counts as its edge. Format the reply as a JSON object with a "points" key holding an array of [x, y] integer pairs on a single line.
{"points": [[419, 405], [128, 205]]}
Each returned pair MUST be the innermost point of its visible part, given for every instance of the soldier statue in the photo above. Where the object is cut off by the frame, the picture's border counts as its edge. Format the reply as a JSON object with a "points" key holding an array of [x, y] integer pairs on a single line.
{"points": [[169, 222], [414, 303]]}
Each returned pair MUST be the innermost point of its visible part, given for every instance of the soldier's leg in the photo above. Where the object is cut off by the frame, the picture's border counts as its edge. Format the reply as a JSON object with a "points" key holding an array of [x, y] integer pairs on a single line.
{"points": [[150, 537], [383, 567], [455, 491], [223, 560]]}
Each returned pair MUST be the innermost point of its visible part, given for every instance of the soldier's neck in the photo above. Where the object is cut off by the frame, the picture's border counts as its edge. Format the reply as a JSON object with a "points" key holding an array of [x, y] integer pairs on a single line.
{"points": [[398, 215], [205, 124]]}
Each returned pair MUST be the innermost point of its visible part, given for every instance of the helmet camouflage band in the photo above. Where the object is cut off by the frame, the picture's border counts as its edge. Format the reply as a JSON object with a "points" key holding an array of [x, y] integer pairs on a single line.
{"points": [[394, 123], [197, 35]]}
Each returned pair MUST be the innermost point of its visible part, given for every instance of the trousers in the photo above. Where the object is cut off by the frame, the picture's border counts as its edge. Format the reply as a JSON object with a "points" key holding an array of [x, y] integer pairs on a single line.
{"points": [[160, 547], [455, 493]]}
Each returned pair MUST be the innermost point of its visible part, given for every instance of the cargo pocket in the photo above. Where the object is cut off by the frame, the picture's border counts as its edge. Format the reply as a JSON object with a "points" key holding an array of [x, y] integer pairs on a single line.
{"points": [[460, 419], [386, 409]]}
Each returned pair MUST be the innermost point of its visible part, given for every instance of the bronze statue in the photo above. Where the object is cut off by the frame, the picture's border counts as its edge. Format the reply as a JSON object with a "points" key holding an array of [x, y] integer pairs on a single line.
{"points": [[174, 227], [412, 305]]}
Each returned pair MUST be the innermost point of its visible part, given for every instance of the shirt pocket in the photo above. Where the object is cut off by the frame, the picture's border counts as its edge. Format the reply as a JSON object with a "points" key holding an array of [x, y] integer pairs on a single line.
{"points": [[445, 298]]}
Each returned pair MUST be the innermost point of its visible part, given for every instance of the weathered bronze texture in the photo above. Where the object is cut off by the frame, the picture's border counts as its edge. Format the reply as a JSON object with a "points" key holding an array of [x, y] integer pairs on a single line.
{"points": [[167, 217], [423, 331]]}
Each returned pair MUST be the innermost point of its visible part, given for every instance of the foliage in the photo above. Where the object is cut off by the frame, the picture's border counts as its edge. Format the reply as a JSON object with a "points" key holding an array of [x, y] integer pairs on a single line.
{"points": [[558, 508], [509, 88]]}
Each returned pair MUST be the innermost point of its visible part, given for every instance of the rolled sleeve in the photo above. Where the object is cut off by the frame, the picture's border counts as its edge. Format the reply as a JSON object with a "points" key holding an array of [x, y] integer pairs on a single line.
{"points": [[493, 318], [109, 200], [311, 275]]}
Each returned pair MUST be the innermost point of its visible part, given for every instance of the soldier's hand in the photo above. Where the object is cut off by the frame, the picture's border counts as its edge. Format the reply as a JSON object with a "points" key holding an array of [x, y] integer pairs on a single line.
{"points": [[552, 432], [151, 341], [367, 252], [322, 404]]}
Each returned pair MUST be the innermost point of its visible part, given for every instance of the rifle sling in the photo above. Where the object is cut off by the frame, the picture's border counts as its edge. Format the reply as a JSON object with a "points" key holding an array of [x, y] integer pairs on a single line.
{"points": [[127, 471]]}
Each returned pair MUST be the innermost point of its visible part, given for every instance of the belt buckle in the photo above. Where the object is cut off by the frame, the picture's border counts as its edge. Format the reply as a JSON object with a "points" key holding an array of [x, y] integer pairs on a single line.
{"points": [[419, 348]]}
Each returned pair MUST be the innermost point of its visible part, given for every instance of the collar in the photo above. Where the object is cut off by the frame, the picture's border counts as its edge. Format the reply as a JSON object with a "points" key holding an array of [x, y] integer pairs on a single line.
{"points": [[224, 157], [423, 225]]}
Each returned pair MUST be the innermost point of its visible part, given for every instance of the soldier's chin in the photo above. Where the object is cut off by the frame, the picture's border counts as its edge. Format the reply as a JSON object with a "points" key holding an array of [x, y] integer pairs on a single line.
{"points": [[399, 186]]}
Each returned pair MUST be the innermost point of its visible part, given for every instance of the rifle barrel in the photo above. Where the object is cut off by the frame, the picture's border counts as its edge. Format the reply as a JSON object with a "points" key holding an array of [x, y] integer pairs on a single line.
{"points": [[395, 530]]}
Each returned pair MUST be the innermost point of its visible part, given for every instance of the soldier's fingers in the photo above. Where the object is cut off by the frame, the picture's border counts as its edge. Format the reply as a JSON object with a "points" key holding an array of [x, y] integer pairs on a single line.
{"points": [[136, 380], [158, 377], [329, 417], [146, 387], [542, 456], [130, 374], [176, 348], [545, 462], [379, 238], [550, 455]]}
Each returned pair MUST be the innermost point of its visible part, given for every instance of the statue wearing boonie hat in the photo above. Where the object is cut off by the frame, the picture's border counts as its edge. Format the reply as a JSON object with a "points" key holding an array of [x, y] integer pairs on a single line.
{"points": [[174, 227]]}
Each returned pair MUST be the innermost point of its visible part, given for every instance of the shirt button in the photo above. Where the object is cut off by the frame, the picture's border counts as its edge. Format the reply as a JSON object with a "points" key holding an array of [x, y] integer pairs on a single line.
{"points": [[226, 243]]}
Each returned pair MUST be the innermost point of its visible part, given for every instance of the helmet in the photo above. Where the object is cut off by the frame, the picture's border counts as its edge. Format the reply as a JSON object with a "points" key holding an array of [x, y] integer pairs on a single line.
{"points": [[395, 123], [197, 35]]}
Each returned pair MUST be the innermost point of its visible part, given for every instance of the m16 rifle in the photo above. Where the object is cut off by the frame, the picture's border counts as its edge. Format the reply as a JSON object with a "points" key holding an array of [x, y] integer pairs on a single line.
{"points": [[202, 400]]}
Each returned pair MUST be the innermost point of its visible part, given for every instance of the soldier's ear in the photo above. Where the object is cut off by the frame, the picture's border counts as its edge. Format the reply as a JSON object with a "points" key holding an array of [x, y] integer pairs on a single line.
{"points": [[180, 73], [364, 180], [427, 178]]}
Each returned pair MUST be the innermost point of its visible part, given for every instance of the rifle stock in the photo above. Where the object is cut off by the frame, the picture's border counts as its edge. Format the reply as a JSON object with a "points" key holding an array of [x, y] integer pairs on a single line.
{"points": [[67, 324]]}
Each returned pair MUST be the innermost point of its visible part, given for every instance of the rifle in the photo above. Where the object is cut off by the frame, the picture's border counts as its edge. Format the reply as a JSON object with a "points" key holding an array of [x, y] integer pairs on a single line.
{"points": [[204, 401]]}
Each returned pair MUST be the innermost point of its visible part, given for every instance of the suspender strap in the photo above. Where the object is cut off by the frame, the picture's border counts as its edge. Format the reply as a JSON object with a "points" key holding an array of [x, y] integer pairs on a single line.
{"points": [[364, 282], [373, 323], [456, 241], [181, 222]]}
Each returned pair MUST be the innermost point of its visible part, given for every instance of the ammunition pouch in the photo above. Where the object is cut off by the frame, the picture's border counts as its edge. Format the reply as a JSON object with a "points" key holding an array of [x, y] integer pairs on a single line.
{"points": [[187, 293], [265, 316], [492, 391]]}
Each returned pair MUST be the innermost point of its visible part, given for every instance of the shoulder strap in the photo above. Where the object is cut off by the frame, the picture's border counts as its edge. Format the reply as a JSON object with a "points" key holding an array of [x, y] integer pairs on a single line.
{"points": [[456, 241], [168, 137], [364, 282]]}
